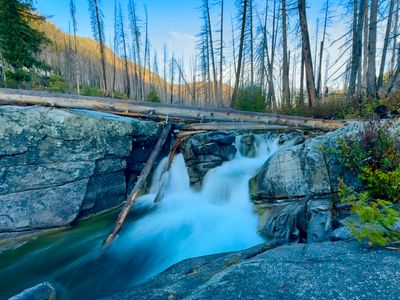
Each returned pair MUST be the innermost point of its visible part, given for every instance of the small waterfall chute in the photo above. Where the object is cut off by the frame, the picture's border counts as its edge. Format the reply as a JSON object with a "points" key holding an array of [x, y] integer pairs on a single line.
{"points": [[139, 184]]}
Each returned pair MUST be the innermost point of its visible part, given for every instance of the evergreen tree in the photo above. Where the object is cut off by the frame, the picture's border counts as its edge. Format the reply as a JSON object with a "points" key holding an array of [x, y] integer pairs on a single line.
{"points": [[20, 43]]}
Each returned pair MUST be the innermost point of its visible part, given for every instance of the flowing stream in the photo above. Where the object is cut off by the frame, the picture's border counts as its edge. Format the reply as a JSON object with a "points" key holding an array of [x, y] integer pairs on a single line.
{"points": [[185, 224]]}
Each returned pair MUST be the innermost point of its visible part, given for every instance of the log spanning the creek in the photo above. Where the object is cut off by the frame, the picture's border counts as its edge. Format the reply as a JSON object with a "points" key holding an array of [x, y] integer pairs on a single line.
{"points": [[162, 111], [139, 184]]}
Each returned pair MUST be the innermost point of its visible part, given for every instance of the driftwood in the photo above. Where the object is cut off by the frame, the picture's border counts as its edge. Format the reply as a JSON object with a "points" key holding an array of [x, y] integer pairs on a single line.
{"points": [[139, 185], [159, 111]]}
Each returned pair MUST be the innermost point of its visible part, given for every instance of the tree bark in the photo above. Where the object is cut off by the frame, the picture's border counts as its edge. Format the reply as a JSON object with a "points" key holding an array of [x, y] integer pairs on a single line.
{"points": [[285, 66], [365, 50], [101, 42], [221, 57], [321, 51], [310, 83], [355, 75], [241, 45], [371, 70], [386, 44], [211, 44], [395, 32]]}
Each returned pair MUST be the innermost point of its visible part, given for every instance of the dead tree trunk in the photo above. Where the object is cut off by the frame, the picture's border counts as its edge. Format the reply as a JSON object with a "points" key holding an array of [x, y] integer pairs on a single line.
{"points": [[139, 185], [241, 46], [321, 51], [371, 70], [386, 44], [365, 43], [285, 63], [221, 56], [310, 83], [211, 43], [357, 50]]}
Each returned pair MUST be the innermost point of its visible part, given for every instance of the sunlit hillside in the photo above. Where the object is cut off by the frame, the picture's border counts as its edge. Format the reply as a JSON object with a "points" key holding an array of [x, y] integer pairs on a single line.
{"points": [[60, 56]]}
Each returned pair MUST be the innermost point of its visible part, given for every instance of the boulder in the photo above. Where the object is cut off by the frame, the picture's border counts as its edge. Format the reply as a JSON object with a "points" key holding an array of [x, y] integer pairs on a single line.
{"points": [[57, 165], [42, 291], [329, 270], [206, 151], [307, 173]]}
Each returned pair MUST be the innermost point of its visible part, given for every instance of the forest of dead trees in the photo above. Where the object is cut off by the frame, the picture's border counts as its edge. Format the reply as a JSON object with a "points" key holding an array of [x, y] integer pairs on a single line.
{"points": [[271, 48]]}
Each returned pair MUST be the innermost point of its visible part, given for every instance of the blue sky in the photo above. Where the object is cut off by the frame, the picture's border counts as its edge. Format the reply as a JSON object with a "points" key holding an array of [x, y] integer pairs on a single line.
{"points": [[174, 22]]}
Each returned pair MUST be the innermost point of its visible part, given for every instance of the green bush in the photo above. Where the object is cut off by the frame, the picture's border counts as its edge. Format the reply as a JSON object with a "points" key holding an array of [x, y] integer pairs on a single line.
{"points": [[18, 79], [152, 96], [91, 91], [250, 98], [375, 157], [56, 84]]}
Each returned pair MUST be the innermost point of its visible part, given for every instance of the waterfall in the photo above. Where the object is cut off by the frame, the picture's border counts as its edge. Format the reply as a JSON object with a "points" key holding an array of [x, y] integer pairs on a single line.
{"points": [[189, 223]]}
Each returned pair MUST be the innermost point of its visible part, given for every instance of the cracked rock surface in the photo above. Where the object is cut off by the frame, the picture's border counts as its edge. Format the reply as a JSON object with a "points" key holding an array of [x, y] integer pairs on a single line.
{"points": [[329, 270], [57, 165]]}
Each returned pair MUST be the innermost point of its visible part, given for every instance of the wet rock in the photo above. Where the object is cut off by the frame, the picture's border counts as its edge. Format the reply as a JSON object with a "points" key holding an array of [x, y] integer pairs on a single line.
{"points": [[284, 222], [319, 225], [291, 139], [247, 145], [42, 291], [329, 270], [341, 234], [206, 151]]}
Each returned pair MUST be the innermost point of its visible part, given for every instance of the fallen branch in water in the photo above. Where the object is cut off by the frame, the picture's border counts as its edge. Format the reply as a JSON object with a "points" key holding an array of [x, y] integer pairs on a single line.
{"points": [[139, 185]]}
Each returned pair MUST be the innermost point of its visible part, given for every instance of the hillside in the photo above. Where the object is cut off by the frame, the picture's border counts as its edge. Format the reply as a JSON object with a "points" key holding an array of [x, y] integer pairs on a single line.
{"points": [[59, 55]]}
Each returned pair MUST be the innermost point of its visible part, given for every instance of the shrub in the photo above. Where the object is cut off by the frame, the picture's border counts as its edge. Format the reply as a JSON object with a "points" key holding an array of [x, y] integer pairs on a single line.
{"points": [[375, 157], [56, 84], [250, 98], [152, 96], [91, 91]]}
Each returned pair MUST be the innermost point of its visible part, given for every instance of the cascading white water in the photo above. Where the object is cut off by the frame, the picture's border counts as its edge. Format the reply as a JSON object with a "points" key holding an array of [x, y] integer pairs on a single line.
{"points": [[189, 223]]}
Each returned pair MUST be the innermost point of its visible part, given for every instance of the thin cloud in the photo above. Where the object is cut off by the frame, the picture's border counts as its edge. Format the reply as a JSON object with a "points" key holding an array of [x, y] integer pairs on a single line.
{"points": [[182, 37]]}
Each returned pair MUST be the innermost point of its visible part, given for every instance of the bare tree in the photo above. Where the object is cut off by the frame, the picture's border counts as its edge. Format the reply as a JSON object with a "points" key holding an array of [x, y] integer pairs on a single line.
{"points": [[209, 31], [395, 33], [75, 29], [357, 48], [221, 55], [285, 63], [386, 43], [365, 48], [244, 4], [310, 83], [321, 50], [135, 30], [122, 40], [371, 70], [96, 18]]}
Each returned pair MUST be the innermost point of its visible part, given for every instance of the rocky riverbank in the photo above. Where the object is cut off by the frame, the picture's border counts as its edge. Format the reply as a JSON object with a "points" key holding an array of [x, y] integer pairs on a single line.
{"points": [[59, 165]]}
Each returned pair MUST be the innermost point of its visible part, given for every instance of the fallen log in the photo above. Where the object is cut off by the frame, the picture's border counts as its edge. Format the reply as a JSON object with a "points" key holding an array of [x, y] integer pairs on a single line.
{"points": [[159, 111], [239, 126], [139, 185]]}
